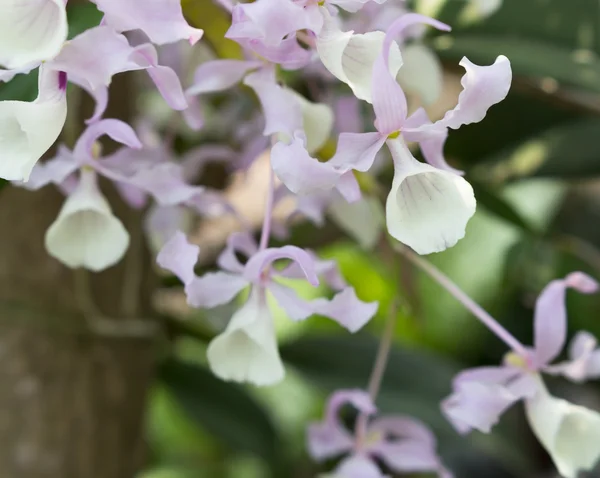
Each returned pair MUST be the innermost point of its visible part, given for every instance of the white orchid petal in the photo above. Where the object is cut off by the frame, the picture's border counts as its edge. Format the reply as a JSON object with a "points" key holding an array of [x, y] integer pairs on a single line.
{"points": [[570, 433], [247, 350], [427, 208], [350, 58], [317, 122], [31, 31], [421, 72], [86, 233], [28, 129]]}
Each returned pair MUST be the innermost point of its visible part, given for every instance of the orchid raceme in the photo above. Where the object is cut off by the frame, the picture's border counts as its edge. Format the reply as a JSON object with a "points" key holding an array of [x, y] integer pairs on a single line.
{"points": [[242, 351], [414, 216], [570, 433], [402, 443]]}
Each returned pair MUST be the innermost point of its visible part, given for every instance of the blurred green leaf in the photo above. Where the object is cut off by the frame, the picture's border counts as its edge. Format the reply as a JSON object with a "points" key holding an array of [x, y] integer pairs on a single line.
{"points": [[82, 16], [569, 150], [414, 382], [222, 408], [554, 38], [499, 206]]}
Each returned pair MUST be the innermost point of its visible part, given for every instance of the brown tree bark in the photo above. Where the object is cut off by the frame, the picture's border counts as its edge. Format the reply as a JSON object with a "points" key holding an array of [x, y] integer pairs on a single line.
{"points": [[72, 395]]}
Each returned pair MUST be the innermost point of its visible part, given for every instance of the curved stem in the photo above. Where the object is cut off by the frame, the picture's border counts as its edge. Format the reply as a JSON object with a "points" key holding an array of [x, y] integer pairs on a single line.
{"points": [[266, 228], [469, 303], [383, 352]]}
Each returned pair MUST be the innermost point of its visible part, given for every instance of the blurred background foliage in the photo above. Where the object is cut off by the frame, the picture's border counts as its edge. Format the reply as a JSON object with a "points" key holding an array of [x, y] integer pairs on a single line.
{"points": [[535, 164]]}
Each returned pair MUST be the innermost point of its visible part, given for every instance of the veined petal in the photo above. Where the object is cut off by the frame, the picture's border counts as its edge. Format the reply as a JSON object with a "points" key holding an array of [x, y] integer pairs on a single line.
{"points": [[179, 257], [550, 321], [219, 75], [31, 31], [570, 433], [161, 20], [27, 130], [427, 208], [86, 233], [421, 72], [247, 350], [483, 87], [350, 58]]}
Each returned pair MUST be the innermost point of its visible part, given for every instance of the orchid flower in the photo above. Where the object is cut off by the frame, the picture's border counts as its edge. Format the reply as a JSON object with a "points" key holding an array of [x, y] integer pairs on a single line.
{"points": [[429, 205], [247, 350], [402, 443], [570, 433], [28, 130], [85, 233]]}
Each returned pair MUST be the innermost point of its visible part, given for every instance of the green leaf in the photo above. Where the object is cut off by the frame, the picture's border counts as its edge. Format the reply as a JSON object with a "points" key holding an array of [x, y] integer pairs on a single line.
{"points": [[414, 382], [82, 17], [569, 150], [530, 58], [499, 206], [222, 408]]}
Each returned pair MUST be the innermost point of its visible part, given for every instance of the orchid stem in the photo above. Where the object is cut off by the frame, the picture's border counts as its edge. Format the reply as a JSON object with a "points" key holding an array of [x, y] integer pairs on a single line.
{"points": [[266, 228], [383, 352], [491, 323]]}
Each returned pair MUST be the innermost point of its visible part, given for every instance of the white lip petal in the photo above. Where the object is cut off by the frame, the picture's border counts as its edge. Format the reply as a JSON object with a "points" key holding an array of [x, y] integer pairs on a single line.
{"points": [[247, 350], [570, 433], [27, 130], [86, 233], [427, 208], [31, 31]]}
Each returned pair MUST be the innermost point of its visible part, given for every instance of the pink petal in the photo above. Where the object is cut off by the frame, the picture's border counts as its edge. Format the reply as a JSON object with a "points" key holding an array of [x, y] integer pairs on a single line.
{"points": [[55, 170], [483, 86], [403, 427], [301, 173], [289, 54], [550, 321], [358, 466], [346, 309], [584, 359], [407, 456], [257, 264], [236, 242], [389, 101], [282, 111], [270, 20], [295, 307], [179, 257], [357, 150], [214, 288], [161, 20], [329, 438], [118, 130], [418, 127], [219, 75]]}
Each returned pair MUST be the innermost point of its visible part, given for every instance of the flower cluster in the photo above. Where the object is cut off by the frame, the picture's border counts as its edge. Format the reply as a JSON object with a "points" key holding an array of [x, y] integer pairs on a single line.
{"points": [[374, 48]]}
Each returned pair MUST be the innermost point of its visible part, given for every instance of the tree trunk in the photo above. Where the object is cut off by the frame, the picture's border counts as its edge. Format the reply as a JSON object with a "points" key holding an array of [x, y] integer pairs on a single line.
{"points": [[72, 401]]}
